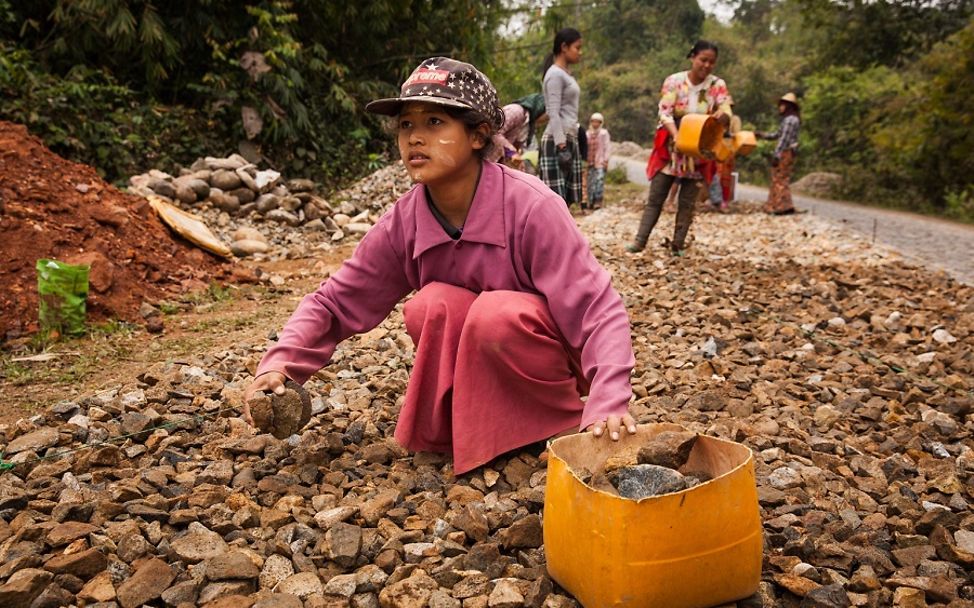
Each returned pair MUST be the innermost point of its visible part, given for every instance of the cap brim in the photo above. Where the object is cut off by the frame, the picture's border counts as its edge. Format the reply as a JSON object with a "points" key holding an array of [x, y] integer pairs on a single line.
{"points": [[392, 106]]}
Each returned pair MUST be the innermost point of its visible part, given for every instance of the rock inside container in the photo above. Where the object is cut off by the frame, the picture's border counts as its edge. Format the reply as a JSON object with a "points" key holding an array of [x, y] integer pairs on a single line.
{"points": [[281, 415], [668, 449], [644, 480], [695, 478]]}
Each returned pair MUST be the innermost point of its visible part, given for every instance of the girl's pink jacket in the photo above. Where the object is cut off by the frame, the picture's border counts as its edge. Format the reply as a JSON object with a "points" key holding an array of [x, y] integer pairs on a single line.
{"points": [[518, 236]]}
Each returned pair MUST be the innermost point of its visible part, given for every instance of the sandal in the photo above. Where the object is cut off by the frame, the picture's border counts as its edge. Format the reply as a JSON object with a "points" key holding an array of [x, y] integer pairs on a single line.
{"points": [[634, 248]]}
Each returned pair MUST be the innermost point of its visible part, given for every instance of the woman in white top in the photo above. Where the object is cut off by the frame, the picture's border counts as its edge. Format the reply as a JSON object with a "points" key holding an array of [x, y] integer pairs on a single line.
{"points": [[561, 163]]}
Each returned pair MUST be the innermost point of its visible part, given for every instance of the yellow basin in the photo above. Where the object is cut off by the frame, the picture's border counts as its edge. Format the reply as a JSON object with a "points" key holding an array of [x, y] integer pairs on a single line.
{"points": [[695, 548], [699, 136], [744, 143]]}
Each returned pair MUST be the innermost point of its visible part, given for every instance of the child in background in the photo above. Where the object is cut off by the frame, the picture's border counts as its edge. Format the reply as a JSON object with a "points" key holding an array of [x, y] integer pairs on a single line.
{"points": [[598, 159], [513, 319]]}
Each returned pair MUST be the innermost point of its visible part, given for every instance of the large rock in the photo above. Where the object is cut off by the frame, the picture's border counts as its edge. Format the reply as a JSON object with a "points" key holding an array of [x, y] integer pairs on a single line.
{"points": [[162, 187], [148, 583], [38, 440], [23, 586], [98, 589], [505, 594], [279, 600], [225, 180], [413, 592], [300, 185], [224, 202], [282, 415], [68, 532], [524, 533], [232, 565], [276, 569], [245, 233], [301, 585], [644, 480], [84, 564], [267, 202], [198, 544], [344, 542], [245, 247], [284, 217], [669, 449]]}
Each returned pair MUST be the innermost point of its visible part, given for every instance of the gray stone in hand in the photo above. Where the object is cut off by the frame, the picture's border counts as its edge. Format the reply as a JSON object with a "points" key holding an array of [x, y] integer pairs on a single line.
{"points": [[282, 415], [643, 480]]}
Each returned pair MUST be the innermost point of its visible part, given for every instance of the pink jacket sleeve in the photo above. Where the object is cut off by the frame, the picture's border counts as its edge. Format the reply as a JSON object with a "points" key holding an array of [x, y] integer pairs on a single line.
{"points": [[588, 311], [354, 300]]}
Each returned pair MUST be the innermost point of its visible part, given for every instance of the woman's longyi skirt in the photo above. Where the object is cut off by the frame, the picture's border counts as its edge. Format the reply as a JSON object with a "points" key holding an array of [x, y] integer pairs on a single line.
{"points": [[491, 374]]}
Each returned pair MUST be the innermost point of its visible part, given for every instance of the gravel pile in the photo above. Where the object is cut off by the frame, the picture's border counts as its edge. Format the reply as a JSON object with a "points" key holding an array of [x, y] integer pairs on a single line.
{"points": [[847, 372], [257, 211]]}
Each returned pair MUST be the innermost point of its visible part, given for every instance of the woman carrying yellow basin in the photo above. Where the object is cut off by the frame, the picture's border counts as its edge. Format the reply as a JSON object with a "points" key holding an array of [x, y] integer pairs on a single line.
{"points": [[694, 91]]}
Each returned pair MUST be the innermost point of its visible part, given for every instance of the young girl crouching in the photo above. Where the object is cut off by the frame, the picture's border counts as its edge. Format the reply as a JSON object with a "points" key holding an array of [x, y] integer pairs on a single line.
{"points": [[513, 319]]}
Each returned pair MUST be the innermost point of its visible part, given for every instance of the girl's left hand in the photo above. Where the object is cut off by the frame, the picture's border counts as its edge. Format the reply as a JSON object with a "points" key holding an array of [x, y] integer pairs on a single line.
{"points": [[614, 425]]}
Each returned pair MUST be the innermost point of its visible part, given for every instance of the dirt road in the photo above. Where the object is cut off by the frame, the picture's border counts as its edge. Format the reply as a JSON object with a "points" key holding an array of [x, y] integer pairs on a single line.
{"points": [[927, 241]]}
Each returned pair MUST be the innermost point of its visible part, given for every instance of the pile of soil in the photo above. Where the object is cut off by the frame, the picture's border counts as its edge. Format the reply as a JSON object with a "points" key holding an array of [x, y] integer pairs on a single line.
{"points": [[54, 208]]}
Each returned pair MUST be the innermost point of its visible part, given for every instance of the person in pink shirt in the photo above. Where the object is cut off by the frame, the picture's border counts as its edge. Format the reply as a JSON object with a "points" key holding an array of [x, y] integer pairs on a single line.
{"points": [[598, 159], [520, 120], [514, 320]]}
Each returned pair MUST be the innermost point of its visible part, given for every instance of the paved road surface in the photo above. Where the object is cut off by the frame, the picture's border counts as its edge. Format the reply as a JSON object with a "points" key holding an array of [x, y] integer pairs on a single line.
{"points": [[928, 241]]}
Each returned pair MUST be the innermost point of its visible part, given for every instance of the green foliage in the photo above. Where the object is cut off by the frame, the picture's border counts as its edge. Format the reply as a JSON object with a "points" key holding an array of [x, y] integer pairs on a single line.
{"points": [[625, 65], [300, 70], [619, 30], [627, 94], [762, 56], [842, 106], [960, 204], [87, 116], [883, 32], [126, 85], [928, 131], [616, 176]]}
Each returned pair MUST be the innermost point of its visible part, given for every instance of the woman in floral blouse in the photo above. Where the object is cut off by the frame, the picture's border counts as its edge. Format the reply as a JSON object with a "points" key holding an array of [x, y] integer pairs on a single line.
{"points": [[779, 196], [695, 91]]}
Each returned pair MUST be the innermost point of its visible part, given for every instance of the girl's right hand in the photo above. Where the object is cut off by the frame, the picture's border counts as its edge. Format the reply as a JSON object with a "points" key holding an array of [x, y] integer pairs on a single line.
{"points": [[614, 425], [272, 382]]}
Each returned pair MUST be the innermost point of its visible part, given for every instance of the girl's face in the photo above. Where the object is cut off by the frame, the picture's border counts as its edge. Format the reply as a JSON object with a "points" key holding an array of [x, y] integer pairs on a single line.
{"points": [[434, 146], [702, 64], [595, 124], [782, 107], [572, 52]]}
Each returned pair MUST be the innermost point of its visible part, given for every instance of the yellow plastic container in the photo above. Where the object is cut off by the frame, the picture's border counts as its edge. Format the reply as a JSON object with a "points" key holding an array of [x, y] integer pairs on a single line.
{"points": [[699, 136], [744, 143], [690, 549]]}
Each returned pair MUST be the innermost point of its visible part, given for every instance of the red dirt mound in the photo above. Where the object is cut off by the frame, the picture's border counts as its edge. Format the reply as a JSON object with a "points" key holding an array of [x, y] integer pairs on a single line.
{"points": [[54, 208]]}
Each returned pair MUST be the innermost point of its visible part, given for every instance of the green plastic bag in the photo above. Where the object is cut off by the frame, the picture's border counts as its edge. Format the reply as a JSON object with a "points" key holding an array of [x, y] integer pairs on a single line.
{"points": [[63, 289]]}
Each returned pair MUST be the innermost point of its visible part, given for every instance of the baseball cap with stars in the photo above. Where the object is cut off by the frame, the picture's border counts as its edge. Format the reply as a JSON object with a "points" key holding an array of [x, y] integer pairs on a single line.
{"points": [[445, 82]]}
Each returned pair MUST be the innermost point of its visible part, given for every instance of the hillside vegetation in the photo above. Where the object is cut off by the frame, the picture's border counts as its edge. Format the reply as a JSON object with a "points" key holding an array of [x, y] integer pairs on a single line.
{"points": [[125, 85]]}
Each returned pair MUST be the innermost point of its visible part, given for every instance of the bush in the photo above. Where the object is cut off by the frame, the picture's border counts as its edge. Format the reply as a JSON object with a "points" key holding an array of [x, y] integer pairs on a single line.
{"points": [[960, 205], [617, 176], [90, 118]]}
